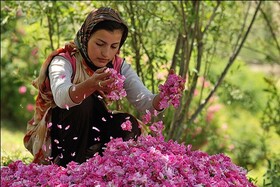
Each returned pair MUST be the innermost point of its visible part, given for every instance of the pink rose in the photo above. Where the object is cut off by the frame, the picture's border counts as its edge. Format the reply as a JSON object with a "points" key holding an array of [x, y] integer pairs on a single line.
{"points": [[30, 107], [126, 126], [22, 90]]}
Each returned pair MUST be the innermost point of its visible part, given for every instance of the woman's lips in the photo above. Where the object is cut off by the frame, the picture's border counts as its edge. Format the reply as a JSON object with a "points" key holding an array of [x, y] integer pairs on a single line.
{"points": [[102, 60]]}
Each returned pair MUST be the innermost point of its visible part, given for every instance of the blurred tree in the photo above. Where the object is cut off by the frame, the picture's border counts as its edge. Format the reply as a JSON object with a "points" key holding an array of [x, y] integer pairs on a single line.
{"points": [[191, 45]]}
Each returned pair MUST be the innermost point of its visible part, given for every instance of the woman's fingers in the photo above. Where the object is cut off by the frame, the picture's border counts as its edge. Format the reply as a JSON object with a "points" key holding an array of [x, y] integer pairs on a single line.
{"points": [[103, 85], [101, 70], [103, 79], [102, 94], [104, 75], [108, 81], [100, 76]]}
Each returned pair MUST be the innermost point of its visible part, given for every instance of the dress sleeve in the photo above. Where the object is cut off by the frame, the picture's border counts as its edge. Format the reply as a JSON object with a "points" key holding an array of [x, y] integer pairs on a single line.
{"points": [[137, 94], [60, 72]]}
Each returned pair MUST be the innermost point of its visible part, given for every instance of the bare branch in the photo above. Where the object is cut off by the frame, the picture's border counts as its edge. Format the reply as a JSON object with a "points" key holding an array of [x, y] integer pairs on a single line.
{"points": [[198, 36], [135, 42], [213, 15], [184, 61], [176, 51], [185, 46], [242, 28], [57, 27], [184, 18], [270, 28], [150, 59], [50, 26]]}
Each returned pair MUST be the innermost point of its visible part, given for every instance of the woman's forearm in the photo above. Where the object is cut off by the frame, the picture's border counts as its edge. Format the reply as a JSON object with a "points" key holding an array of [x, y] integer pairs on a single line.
{"points": [[82, 90]]}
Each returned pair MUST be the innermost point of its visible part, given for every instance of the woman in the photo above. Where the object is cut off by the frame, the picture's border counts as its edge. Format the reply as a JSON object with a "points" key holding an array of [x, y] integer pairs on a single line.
{"points": [[71, 121]]}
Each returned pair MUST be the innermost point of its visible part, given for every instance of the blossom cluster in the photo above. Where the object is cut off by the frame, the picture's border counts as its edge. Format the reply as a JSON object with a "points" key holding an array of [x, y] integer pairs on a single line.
{"points": [[171, 91], [117, 87], [149, 161], [126, 126]]}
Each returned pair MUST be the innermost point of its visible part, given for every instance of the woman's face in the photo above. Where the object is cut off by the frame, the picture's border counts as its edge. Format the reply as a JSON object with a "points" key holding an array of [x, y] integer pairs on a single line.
{"points": [[103, 45]]}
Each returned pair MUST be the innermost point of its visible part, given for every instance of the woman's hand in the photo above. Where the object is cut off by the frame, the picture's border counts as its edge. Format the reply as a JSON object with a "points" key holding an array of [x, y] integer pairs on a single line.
{"points": [[97, 82], [100, 79], [157, 99]]}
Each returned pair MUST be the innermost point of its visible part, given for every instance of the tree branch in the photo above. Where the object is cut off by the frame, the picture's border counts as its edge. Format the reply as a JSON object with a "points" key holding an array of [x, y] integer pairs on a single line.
{"points": [[135, 42], [212, 17], [176, 51], [198, 37], [242, 28], [270, 28], [50, 26]]}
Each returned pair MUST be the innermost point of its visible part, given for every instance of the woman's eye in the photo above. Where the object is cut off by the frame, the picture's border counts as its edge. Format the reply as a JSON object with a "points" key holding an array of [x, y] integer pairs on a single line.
{"points": [[114, 47], [99, 44]]}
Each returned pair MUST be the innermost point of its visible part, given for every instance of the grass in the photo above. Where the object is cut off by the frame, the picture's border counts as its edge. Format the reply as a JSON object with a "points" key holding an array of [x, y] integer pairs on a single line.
{"points": [[12, 147]]}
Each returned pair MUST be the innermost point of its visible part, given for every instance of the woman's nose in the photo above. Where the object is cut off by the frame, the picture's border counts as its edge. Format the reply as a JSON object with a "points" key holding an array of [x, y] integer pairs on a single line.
{"points": [[105, 52]]}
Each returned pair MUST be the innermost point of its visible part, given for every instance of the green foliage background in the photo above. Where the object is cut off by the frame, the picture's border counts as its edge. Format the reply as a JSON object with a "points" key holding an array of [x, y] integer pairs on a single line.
{"points": [[242, 117]]}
